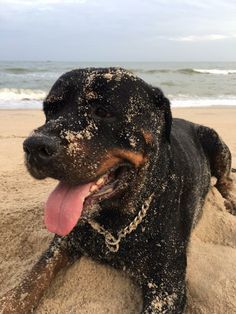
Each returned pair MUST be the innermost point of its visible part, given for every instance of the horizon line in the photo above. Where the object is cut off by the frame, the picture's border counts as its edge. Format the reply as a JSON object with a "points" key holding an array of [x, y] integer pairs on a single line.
{"points": [[117, 61]]}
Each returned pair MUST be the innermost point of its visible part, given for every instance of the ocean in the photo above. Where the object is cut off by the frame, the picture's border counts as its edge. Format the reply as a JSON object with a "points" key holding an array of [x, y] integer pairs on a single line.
{"points": [[25, 84]]}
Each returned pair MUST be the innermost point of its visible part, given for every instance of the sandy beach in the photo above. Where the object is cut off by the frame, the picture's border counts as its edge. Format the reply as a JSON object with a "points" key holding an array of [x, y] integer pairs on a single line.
{"points": [[87, 287]]}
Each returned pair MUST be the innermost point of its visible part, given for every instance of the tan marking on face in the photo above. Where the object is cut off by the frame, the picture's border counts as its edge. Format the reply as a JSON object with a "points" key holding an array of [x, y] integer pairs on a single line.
{"points": [[137, 159], [148, 136], [117, 156], [110, 162]]}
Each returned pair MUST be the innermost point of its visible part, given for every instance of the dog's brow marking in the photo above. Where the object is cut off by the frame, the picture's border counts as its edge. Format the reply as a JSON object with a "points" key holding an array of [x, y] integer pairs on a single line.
{"points": [[148, 136]]}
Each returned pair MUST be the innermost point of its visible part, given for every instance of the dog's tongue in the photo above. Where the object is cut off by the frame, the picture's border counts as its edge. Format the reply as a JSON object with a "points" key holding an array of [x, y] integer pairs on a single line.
{"points": [[64, 206]]}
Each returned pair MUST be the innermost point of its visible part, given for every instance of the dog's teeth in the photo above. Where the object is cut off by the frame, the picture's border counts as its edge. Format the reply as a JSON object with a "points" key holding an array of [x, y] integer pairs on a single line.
{"points": [[100, 181], [109, 190], [93, 188], [105, 192]]}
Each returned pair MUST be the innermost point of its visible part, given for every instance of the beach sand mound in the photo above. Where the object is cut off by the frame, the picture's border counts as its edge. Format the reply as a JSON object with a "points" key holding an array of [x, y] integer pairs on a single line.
{"points": [[88, 287]]}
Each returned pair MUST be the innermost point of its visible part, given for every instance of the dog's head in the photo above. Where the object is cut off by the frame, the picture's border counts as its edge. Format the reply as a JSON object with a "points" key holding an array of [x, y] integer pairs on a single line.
{"points": [[101, 125]]}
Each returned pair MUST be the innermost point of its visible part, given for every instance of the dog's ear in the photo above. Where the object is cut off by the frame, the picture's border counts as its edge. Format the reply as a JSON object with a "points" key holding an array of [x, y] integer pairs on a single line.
{"points": [[163, 103]]}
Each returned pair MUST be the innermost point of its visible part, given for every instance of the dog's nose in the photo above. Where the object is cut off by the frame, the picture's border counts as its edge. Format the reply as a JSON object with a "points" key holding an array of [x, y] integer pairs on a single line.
{"points": [[41, 148]]}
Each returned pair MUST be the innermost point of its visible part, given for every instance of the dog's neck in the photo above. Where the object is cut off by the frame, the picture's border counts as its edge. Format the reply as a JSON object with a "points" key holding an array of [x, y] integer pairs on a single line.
{"points": [[152, 175], [113, 241], [117, 224]]}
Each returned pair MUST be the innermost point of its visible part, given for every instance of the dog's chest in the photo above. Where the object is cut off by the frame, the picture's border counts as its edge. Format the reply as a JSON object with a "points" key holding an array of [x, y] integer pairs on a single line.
{"points": [[131, 250]]}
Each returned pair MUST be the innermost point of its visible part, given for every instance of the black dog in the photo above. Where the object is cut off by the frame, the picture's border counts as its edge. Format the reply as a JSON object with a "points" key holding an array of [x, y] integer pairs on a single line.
{"points": [[132, 184]]}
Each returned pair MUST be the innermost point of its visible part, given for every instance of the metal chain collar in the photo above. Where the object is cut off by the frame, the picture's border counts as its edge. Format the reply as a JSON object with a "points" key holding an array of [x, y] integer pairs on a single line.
{"points": [[113, 243]]}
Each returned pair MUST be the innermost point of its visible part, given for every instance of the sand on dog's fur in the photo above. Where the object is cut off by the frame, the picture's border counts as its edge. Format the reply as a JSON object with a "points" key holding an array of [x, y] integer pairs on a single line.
{"points": [[88, 287]]}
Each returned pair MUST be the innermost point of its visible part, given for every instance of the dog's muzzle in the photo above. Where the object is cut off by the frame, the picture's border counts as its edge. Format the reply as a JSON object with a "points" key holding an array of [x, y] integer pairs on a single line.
{"points": [[41, 149]]}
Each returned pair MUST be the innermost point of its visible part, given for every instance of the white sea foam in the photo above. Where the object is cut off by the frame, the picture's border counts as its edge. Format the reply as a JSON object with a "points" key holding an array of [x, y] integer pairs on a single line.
{"points": [[18, 94], [20, 98], [215, 71], [203, 102]]}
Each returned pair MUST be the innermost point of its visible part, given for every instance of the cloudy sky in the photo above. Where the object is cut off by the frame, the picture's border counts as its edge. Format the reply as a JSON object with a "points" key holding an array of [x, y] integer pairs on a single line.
{"points": [[118, 30]]}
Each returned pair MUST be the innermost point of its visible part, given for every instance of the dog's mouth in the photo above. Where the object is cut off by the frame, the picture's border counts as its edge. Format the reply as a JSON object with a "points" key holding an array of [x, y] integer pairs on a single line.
{"points": [[111, 183], [67, 204]]}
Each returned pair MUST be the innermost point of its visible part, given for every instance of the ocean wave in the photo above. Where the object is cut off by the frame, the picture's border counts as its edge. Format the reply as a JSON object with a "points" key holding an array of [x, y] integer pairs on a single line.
{"points": [[187, 71], [215, 71], [205, 71], [150, 71], [20, 94], [19, 70]]}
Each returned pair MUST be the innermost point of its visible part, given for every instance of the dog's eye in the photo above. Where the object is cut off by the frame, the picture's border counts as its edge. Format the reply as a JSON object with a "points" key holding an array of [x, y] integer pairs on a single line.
{"points": [[101, 113]]}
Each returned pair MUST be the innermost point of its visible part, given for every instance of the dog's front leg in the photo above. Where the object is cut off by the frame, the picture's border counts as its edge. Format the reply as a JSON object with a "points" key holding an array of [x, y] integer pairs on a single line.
{"points": [[160, 299], [24, 298]]}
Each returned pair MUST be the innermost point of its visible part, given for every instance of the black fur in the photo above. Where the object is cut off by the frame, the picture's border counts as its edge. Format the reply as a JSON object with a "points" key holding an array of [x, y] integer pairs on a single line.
{"points": [[179, 158]]}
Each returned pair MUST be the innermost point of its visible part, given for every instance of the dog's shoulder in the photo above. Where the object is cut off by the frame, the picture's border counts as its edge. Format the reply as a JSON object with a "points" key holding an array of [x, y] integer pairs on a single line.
{"points": [[184, 132]]}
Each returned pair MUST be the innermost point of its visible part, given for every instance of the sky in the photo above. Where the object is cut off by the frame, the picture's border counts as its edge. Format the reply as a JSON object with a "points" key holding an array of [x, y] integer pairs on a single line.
{"points": [[118, 30]]}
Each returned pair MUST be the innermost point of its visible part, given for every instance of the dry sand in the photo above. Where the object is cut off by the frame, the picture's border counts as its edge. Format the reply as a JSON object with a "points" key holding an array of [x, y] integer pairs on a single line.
{"points": [[87, 287]]}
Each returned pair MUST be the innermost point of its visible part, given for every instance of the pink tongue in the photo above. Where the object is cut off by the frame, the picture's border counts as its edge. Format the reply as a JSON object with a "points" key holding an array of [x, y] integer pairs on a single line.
{"points": [[64, 206]]}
